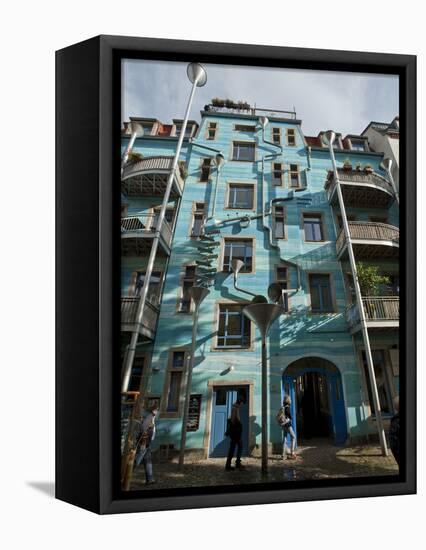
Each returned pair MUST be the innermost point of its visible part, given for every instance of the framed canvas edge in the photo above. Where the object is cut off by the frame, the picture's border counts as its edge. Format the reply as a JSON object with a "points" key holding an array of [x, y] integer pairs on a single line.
{"points": [[108, 502]]}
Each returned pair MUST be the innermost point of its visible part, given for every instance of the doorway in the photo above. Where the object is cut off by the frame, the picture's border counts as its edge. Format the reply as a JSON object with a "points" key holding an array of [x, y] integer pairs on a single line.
{"points": [[223, 399], [317, 403]]}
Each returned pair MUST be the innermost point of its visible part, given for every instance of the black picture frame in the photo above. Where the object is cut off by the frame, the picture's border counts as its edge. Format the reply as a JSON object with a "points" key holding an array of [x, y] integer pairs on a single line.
{"points": [[87, 417]]}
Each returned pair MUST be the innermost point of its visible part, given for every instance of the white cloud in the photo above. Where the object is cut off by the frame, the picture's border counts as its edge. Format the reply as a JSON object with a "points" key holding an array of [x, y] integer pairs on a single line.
{"points": [[346, 102]]}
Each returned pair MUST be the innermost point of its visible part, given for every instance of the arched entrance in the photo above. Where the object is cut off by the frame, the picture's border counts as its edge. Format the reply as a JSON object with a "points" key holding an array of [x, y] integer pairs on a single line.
{"points": [[317, 403]]}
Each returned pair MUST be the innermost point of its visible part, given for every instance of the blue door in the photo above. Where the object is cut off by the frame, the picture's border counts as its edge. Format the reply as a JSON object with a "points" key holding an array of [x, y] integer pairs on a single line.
{"points": [[223, 399], [338, 408], [290, 390]]}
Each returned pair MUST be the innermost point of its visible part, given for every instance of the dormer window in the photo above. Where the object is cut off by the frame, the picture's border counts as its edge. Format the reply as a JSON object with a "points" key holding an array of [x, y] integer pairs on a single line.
{"points": [[357, 144]]}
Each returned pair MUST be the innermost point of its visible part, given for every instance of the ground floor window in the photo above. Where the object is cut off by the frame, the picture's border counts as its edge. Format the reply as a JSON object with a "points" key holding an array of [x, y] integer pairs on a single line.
{"points": [[382, 381]]}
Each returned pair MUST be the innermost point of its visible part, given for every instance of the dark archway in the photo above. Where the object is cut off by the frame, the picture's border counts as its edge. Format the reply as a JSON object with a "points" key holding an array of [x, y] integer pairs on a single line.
{"points": [[315, 387]]}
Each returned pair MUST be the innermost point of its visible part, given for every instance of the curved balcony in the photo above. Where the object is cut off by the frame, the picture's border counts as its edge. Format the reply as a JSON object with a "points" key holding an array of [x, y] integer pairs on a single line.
{"points": [[381, 313], [370, 240], [148, 177], [137, 233], [360, 189], [129, 307]]}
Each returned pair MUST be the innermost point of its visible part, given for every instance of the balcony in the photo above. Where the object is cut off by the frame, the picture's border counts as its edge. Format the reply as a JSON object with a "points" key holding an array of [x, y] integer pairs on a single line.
{"points": [[137, 233], [360, 189], [381, 312], [129, 307], [370, 240], [148, 177]]}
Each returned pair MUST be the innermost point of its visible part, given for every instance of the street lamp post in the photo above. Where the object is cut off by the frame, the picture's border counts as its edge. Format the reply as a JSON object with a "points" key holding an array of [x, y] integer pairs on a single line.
{"points": [[198, 76], [263, 315], [197, 294], [330, 137]]}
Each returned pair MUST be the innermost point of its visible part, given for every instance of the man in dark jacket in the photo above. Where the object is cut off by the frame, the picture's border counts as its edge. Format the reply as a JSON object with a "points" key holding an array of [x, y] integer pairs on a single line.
{"points": [[235, 433]]}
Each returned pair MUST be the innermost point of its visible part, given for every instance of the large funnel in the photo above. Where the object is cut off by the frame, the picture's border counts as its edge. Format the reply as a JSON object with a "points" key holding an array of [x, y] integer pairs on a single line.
{"points": [[136, 128], [236, 266], [329, 137], [386, 164], [198, 293], [263, 315], [263, 121]]}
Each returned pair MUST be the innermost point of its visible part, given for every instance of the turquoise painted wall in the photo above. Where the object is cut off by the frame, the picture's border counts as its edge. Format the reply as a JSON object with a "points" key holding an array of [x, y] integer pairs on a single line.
{"points": [[300, 334]]}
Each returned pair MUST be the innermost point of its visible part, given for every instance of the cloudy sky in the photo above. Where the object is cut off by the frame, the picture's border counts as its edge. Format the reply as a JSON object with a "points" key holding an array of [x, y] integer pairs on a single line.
{"points": [[345, 102]]}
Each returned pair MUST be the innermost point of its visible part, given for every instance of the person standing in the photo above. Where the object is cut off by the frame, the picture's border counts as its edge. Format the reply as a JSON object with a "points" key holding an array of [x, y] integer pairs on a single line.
{"points": [[394, 432], [285, 421], [235, 433], [144, 440]]}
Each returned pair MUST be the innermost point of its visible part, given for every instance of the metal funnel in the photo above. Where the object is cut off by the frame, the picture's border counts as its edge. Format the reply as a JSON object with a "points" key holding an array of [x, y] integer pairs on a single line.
{"points": [[196, 73], [329, 137], [263, 315], [198, 293], [275, 292], [386, 164], [219, 160], [136, 128], [236, 266], [263, 121]]}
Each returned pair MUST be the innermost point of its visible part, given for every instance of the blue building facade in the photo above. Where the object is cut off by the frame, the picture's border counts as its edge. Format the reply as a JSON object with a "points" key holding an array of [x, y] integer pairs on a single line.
{"points": [[273, 206]]}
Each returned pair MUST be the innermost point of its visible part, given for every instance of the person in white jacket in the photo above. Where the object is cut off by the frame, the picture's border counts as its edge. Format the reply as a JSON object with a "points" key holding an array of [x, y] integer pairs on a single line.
{"points": [[145, 438]]}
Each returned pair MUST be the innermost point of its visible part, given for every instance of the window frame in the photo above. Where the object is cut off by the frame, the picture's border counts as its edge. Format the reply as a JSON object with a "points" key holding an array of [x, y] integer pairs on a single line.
{"points": [[276, 131], [281, 171], [165, 413], [215, 346], [290, 132], [182, 280], [230, 185], [291, 172], [284, 219], [243, 142], [320, 215], [202, 168], [209, 128], [249, 128], [333, 305], [281, 280], [196, 212], [253, 257]]}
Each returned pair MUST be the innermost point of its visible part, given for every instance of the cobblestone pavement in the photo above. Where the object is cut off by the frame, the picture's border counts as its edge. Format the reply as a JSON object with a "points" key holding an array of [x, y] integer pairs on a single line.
{"points": [[313, 462]]}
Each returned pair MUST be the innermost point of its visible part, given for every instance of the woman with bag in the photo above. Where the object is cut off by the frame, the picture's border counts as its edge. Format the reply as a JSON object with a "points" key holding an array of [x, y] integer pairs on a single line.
{"points": [[285, 421]]}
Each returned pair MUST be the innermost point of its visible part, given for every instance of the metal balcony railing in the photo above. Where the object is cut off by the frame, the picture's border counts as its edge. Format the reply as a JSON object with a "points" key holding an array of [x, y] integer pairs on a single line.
{"points": [[379, 310], [144, 227], [129, 307], [368, 231], [148, 176], [360, 188]]}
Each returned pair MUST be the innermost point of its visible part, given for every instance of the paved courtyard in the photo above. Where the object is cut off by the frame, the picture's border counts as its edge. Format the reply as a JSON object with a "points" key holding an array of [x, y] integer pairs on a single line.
{"points": [[313, 462]]}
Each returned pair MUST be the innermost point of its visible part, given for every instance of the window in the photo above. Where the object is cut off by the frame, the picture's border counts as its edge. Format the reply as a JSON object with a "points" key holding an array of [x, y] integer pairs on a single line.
{"points": [[136, 374], [276, 136], [197, 219], [169, 215], [206, 166], [382, 382], [279, 226], [211, 130], [277, 173], [154, 289], [291, 137], [175, 380], [243, 150], [238, 249], [320, 289], [245, 127], [312, 224], [188, 130], [241, 196], [294, 175], [234, 327], [357, 145], [188, 281], [281, 279]]}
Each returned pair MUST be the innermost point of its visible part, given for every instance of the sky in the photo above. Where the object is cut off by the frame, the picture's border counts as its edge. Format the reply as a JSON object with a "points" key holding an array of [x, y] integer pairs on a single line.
{"points": [[344, 102]]}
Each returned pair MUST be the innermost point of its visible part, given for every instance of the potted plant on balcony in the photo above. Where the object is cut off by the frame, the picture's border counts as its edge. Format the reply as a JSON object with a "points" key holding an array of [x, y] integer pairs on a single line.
{"points": [[217, 102], [358, 167], [368, 168], [183, 170], [370, 282], [347, 165], [134, 157]]}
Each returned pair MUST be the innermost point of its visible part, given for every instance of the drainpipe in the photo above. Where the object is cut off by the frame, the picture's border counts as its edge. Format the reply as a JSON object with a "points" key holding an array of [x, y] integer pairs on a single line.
{"points": [[137, 131], [197, 76], [330, 137], [386, 164], [219, 161], [236, 266]]}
